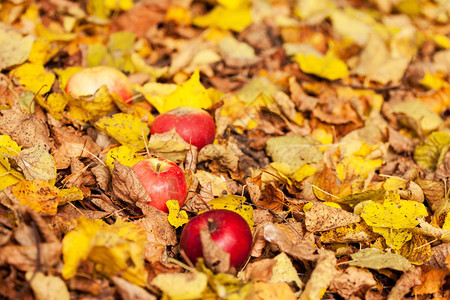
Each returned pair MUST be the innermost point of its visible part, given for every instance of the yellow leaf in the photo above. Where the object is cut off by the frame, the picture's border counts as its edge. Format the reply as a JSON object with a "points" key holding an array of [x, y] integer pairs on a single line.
{"points": [[178, 14], [140, 65], [126, 155], [126, 129], [303, 172], [38, 195], [34, 77], [394, 184], [7, 178], [218, 184], [328, 66], [116, 249], [430, 153], [284, 271], [268, 291], [14, 48], [356, 166], [395, 238], [417, 110], [236, 204], [432, 81], [181, 285], [393, 213], [441, 40], [8, 146], [41, 52], [54, 104], [190, 93], [176, 216], [69, 195], [53, 36], [226, 18], [233, 4], [104, 8], [92, 107], [446, 225], [36, 163], [283, 169]]}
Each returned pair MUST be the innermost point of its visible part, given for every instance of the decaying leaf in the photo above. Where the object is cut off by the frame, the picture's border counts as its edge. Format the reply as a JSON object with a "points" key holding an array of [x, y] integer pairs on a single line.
{"points": [[321, 217], [115, 249], [375, 259], [126, 129], [182, 285], [48, 287]]}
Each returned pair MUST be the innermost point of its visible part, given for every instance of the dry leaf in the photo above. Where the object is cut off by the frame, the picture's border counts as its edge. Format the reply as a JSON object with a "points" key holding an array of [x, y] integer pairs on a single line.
{"points": [[404, 284], [352, 281], [126, 185], [26, 130], [321, 276], [159, 234], [129, 291], [321, 217]]}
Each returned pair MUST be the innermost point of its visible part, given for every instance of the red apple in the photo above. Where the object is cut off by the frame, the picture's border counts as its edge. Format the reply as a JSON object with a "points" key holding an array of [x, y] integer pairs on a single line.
{"points": [[228, 229], [87, 81], [163, 180], [194, 125]]}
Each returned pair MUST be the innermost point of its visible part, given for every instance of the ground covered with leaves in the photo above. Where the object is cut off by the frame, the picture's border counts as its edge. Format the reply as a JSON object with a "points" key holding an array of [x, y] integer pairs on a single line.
{"points": [[332, 139]]}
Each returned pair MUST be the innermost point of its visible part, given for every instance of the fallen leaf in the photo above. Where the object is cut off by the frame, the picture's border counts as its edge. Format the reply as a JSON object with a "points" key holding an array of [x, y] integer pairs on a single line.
{"points": [[236, 204], [35, 163], [176, 216], [375, 259], [404, 284], [126, 129], [352, 281], [321, 217], [235, 19], [47, 287], [14, 48], [115, 249], [321, 276], [181, 285]]}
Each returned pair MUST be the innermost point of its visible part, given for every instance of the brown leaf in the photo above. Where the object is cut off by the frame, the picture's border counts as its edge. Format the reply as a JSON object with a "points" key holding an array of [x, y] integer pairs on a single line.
{"points": [[25, 258], [440, 253], [404, 284], [141, 18], [434, 192], [400, 143], [321, 217], [260, 270], [102, 176], [215, 257], [130, 291], [159, 233], [26, 130], [321, 276], [69, 144], [273, 198], [222, 157], [126, 185], [352, 282], [271, 233]]}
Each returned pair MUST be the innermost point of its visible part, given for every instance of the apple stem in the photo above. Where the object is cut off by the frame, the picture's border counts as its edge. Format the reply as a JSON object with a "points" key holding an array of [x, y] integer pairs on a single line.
{"points": [[211, 225], [158, 167]]}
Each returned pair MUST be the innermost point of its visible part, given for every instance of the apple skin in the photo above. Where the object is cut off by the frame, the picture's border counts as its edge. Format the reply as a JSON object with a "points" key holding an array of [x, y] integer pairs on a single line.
{"points": [[194, 125], [163, 180], [87, 81], [230, 231]]}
